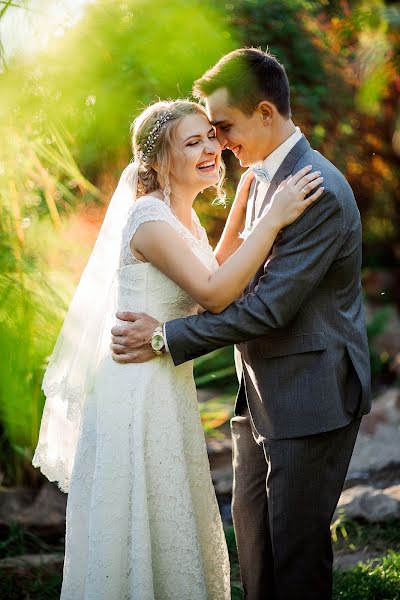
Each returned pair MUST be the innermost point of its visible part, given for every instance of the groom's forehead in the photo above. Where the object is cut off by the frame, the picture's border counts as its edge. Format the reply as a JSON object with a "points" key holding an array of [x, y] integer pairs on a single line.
{"points": [[217, 106]]}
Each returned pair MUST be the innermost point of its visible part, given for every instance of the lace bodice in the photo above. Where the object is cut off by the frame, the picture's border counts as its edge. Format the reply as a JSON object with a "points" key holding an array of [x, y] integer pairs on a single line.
{"points": [[142, 517], [150, 208], [142, 287]]}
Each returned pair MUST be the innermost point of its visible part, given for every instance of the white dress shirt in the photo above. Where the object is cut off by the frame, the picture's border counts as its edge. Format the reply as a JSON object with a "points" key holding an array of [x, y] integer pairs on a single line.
{"points": [[271, 164]]}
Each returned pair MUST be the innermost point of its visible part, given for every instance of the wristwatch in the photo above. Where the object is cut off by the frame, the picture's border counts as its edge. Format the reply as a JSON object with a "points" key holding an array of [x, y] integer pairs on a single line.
{"points": [[157, 340]]}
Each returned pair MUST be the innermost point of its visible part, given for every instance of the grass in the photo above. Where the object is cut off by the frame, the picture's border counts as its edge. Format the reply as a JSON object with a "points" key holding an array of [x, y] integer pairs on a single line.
{"points": [[378, 579], [33, 584], [370, 581], [18, 542], [354, 536]]}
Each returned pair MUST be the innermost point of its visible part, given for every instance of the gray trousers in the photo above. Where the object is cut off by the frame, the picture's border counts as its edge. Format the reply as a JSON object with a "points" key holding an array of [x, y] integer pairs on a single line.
{"points": [[284, 495]]}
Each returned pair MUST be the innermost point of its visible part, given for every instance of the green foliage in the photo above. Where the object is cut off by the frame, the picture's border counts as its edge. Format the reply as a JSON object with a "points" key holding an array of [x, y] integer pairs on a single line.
{"points": [[343, 66], [43, 583], [36, 584], [18, 542], [236, 586], [352, 536], [376, 580], [73, 105], [272, 24], [338, 527], [29, 321], [111, 64], [64, 123], [39, 181], [215, 412], [216, 369]]}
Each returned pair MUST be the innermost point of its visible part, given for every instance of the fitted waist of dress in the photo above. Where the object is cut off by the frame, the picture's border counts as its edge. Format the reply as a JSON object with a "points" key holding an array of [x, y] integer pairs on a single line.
{"points": [[142, 288]]}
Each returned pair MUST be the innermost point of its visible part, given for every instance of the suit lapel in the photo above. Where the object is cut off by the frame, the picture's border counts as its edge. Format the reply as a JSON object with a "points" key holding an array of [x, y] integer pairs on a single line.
{"points": [[284, 170], [254, 200]]}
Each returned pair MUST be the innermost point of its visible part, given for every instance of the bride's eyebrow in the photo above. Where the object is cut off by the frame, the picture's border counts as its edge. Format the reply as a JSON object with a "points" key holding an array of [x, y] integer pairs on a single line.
{"points": [[198, 135]]}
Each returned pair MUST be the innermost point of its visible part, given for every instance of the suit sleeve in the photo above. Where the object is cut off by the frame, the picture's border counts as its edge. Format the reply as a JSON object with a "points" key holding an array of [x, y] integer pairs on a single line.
{"points": [[300, 258]]}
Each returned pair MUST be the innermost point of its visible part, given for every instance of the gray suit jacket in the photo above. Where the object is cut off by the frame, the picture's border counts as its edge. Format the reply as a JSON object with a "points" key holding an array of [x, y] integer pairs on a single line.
{"points": [[300, 325]]}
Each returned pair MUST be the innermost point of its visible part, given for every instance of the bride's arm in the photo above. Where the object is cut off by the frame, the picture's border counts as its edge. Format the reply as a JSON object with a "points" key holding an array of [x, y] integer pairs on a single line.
{"points": [[160, 244], [230, 240]]}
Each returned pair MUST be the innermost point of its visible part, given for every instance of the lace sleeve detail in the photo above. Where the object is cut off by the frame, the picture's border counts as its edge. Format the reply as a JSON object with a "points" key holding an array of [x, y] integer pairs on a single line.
{"points": [[147, 209], [144, 210]]}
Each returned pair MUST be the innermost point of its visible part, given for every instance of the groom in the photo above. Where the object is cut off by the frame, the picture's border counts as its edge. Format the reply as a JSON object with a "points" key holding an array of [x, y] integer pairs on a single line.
{"points": [[300, 332]]}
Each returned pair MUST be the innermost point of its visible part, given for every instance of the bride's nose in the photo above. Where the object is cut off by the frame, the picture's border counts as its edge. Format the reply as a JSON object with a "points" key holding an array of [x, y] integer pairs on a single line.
{"points": [[212, 147]]}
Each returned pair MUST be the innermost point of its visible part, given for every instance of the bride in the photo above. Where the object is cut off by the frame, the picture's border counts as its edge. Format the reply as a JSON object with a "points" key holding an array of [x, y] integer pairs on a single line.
{"points": [[126, 441]]}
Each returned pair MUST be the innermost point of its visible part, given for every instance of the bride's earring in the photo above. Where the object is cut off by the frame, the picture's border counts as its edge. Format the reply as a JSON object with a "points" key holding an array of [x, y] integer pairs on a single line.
{"points": [[167, 193]]}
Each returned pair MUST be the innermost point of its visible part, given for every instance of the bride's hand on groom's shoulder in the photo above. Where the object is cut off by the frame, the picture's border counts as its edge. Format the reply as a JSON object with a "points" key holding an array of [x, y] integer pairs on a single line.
{"points": [[293, 196], [131, 341]]}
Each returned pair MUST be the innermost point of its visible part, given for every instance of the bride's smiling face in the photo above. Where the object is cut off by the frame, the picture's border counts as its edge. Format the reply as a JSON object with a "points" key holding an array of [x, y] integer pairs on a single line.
{"points": [[196, 153]]}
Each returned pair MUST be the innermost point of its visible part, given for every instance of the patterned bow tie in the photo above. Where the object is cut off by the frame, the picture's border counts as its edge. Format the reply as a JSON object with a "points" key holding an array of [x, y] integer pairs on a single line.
{"points": [[261, 174]]}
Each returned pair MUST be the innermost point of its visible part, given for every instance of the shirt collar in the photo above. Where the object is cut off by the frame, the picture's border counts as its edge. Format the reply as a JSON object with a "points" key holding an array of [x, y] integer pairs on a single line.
{"points": [[274, 160]]}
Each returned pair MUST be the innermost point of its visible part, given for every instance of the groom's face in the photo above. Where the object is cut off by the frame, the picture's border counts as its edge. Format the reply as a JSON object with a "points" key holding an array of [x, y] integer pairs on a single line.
{"points": [[246, 136]]}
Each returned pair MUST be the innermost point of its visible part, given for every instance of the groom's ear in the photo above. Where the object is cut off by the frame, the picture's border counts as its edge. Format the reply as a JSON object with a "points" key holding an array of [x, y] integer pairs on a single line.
{"points": [[266, 110]]}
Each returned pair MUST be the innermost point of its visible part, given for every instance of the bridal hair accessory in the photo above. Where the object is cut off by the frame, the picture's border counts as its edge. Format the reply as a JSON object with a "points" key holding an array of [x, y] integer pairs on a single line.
{"points": [[84, 340], [155, 132]]}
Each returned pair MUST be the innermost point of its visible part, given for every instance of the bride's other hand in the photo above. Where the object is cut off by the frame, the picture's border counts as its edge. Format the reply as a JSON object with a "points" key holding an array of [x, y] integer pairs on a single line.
{"points": [[230, 240], [290, 199], [243, 189]]}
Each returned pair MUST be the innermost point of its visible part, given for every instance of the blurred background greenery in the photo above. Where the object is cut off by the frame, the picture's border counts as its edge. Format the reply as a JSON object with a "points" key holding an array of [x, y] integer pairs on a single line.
{"points": [[74, 75]]}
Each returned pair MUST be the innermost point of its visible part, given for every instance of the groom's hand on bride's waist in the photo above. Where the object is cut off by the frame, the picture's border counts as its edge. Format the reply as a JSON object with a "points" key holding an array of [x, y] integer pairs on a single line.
{"points": [[131, 341]]}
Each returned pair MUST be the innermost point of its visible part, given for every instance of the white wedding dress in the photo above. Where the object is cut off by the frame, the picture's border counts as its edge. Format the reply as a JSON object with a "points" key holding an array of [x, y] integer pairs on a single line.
{"points": [[142, 518]]}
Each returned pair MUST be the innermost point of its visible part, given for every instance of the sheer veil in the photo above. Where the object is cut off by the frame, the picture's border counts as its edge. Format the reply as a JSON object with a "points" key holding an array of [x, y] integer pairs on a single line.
{"points": [[83, 340]]}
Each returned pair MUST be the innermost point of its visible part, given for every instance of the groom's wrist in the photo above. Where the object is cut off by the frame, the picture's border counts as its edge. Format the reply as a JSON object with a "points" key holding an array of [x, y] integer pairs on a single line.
{"points": [[165, 338]]}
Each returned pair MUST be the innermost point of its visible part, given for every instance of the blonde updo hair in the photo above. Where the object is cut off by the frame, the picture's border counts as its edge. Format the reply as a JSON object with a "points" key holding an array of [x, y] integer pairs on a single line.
{"points": [[157, 152]]}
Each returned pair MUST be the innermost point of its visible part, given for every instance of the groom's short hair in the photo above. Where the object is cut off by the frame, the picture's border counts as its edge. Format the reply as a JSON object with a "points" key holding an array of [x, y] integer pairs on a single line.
{"points": [[249, 75]]}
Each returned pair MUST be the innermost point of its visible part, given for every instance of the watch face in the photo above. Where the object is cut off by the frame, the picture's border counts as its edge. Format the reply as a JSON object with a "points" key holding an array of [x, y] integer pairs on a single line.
{"points": [[157, 342]]}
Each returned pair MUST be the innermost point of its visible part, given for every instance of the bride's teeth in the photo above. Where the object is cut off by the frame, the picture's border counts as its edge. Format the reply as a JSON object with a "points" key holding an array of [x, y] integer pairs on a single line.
{"points": [[204, 166]]}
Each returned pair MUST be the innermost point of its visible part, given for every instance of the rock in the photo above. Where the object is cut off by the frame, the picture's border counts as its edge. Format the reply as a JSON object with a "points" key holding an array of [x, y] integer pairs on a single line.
{"points": [[394, 492], [44, 513], [217, 446], [47, 513], [220, 454], [374, 505], [222, 479], [378, 443], [205, 394], [385, 411], [28, 561], [348, 561], [13, 501]]}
